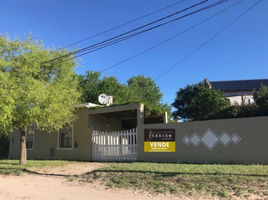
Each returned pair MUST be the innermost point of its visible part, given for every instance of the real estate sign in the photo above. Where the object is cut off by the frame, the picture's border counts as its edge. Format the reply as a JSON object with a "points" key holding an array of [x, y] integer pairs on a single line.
{"points": [[159, 140]]}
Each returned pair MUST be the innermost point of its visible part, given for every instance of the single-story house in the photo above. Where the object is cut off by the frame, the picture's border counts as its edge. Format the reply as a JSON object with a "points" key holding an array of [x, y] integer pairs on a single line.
{"points": [[238, 91], [75, 142]]}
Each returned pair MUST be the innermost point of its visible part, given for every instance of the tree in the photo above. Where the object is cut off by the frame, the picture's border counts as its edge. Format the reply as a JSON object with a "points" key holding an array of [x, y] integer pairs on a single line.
{"points": [[144, 89], [261, 97], [138, 89], [91, 86], [197, 102], [34, 91]]}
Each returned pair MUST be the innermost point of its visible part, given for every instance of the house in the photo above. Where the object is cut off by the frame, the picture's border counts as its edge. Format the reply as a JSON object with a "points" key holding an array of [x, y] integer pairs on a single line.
{"points": [[237, 91], [97, 135], [75, 142]]}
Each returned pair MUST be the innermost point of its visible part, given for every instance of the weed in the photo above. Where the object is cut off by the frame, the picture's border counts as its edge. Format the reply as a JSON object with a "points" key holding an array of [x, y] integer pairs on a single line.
{"points": [[72, 178], [239, 192], [223, 194]]}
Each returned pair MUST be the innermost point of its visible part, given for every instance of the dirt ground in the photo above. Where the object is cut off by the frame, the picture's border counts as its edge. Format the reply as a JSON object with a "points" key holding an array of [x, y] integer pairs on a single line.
{"points": [[52, 184]]}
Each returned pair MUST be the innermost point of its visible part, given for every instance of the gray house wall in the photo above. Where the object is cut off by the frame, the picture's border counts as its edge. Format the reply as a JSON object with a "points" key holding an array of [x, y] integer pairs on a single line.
{"points": [[44, 141], [252, 148], [82, 135], [241, 141]]}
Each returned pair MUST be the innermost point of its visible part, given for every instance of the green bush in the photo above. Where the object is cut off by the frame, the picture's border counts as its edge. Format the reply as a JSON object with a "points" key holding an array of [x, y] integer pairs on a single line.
{"points": [[237, 111], [198, 102], [4, 145], [259, 108], [261, 97]]}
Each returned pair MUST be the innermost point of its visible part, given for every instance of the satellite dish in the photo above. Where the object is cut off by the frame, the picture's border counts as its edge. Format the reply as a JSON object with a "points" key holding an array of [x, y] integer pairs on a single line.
{"points": [[103, 99]]}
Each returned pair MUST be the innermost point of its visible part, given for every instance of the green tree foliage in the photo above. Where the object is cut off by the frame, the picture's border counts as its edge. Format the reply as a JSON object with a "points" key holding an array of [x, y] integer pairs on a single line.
{"points": [[138, 89], [88, 86], [261, 97], [258, 108], [240, 111], [91, 86], [197, 102], [144, 89], [32, 90]]}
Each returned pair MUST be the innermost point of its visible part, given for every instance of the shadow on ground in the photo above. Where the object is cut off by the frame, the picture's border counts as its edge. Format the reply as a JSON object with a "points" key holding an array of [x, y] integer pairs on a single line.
{"points": [[163, 174]]}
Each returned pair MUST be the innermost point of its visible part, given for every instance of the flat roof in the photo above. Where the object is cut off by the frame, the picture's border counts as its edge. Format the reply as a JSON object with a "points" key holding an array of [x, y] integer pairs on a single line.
{"points": [[86, 105], [111, 109]]}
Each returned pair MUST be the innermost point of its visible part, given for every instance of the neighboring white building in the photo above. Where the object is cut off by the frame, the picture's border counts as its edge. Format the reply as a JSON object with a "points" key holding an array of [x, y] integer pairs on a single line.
{"points": [[239, 90]]}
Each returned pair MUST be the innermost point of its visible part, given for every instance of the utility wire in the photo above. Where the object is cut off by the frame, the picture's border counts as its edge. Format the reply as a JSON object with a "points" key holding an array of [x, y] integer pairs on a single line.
{"points": [[135, 34], [157, 26], [170, 38], [109, 43], [207, 41], [109, 30], [132, 30]]}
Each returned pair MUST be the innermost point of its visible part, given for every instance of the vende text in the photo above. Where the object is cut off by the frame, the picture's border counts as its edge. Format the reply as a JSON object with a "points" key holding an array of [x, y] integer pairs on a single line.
{"points": [[159, 144]]}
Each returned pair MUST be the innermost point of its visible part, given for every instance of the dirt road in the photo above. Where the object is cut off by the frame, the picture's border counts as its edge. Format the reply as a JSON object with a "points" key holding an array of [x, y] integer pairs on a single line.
{"points": [[52, 184]]}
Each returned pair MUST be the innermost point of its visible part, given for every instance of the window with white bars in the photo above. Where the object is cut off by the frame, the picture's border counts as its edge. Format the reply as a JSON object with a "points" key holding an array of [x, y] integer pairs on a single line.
{"points": [[65, 138]]}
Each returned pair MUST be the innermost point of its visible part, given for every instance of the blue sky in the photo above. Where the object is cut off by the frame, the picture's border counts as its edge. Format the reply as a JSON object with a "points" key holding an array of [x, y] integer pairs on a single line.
{"points": [[240, 52]]}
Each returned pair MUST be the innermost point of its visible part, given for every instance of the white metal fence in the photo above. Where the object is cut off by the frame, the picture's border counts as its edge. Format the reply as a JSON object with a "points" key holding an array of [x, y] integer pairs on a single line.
{"points": [[114, 146]]}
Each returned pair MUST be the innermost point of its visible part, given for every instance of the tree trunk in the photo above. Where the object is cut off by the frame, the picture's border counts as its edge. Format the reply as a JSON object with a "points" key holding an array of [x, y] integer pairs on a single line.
{"points": [[23, 151]]}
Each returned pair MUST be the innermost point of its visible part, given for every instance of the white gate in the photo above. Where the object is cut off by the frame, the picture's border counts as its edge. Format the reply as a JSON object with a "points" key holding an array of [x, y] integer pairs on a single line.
{"points": [[114, 146]]}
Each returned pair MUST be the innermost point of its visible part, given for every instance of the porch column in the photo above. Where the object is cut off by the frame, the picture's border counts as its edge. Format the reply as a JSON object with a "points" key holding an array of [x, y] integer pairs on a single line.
{"points": [[140, 114]]}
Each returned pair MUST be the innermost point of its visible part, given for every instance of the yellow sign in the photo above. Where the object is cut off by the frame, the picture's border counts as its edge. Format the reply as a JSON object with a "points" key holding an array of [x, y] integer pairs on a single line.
{"points": [[159, 146]]}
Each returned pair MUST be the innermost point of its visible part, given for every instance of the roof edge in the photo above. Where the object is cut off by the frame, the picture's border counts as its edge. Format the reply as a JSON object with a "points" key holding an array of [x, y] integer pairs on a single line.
{"points": [[86, 105], [239, 80]]}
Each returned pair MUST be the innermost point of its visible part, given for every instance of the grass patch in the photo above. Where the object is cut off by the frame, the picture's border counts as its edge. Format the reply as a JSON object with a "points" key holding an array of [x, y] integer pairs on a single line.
{"points": [[72, 178], [12, 166], [217, 180]]}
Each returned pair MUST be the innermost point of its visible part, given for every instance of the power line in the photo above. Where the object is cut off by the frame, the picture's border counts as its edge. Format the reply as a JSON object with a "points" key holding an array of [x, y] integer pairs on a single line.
{"points": [[83, 49], [103, 45], [109, 30], [170, 38], [154, 27], [208, 40]]}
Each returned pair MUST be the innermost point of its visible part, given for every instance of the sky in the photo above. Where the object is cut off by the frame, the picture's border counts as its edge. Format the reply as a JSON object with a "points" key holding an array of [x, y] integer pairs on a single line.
{"points": [[240, 52]]}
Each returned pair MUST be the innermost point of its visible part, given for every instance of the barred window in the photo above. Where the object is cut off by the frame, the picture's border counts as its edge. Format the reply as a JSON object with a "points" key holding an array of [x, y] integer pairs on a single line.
{"points": [[66, 137], [30, 137]]}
